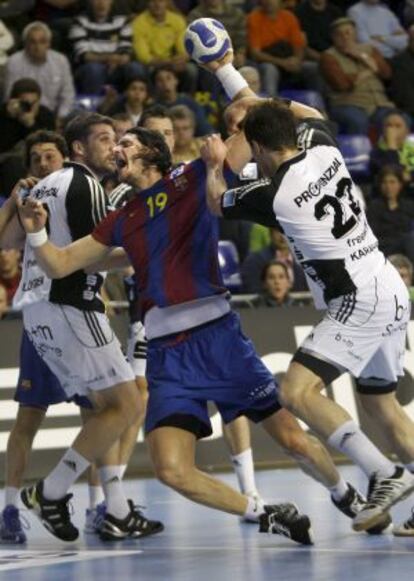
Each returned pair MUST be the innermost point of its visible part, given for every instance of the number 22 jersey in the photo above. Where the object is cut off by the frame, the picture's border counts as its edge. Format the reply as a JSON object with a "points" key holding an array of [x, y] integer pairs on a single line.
{"points": [[314, 200]]}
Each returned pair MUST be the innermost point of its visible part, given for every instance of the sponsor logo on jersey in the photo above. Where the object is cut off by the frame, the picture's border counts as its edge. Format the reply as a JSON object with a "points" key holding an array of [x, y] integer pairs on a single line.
{"points": [[33, 283], [314, 188], [361, 252], [44, 192]]}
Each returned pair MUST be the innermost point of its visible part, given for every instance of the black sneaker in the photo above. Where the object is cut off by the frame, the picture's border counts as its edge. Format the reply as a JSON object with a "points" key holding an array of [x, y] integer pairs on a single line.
{"points": [[135, 525], [54, 514], [382, 494], [284, 519], [353, 502]]}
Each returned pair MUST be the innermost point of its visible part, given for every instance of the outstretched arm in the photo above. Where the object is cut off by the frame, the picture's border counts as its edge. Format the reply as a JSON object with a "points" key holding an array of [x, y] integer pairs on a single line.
{"points": [[57, 262]]}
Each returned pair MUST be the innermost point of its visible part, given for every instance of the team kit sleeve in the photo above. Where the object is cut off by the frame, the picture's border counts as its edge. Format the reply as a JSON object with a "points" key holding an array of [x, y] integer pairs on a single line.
{"points": [[86, 205], [104, 232], [312, 132], [253, 202]]}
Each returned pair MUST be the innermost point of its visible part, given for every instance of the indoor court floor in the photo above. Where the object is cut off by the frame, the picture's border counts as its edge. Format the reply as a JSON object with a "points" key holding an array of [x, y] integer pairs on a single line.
{"points": [[200, 544]]}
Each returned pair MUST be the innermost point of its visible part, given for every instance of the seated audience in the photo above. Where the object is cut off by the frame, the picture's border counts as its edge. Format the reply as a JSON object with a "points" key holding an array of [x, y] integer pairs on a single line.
{"points": [[132, 102], [404, 267], [49, 68], [392, 215], [377, 25], [187, 146], [276, 41], [6, 43], [276, 285], [279, 250], [4, 306], [316, 17], [402, 81], [166, 93], [102, 46], [354, 75], [158, 37], [393, 146]]}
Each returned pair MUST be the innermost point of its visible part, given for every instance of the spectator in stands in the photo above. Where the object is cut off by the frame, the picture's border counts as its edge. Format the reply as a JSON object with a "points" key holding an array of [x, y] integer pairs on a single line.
{"points": [[277, 43], [6, 43], [10, 271], [402, 81], [187, 146], [59, 15], [102, 45], [354, 75], [404, 267], [22, 113], [166, 89], [49, 68], [279, 250], [276, 285], [316, 17], [392, 215], [158, 37], [132, 102], [394, 147], [4, 307], [122, 122], [377, 25], [232, 18], [251, 75]]}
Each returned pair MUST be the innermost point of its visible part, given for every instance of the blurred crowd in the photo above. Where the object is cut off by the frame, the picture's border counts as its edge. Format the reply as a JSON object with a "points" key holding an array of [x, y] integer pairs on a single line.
{"points": [[352, 59]]}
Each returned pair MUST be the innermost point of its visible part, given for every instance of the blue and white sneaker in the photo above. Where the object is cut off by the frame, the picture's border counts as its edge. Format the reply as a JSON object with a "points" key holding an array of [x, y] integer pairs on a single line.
{"points": [[11, 530], [94, 518]]}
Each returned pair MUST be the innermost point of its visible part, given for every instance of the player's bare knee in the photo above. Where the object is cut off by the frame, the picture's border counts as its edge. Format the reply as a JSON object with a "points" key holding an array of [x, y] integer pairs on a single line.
{"points": [[174, 475], [295, 442]]}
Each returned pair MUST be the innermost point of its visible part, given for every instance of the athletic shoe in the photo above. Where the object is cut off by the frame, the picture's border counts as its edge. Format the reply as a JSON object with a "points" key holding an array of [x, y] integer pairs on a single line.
{"points": [[382, 494], [135, 525], [252, 520], [284, 519], [353, 502], [94, 518], [406, 529], [54, 514], [11, 530]]}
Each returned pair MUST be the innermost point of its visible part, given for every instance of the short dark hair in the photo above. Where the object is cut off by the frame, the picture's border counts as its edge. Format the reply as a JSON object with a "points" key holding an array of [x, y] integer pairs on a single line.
{"points": [[391, 170], [25, 86], [79, 128], [156, 111], [44, 136], [272, 125], [159, 153], [163, 68]]}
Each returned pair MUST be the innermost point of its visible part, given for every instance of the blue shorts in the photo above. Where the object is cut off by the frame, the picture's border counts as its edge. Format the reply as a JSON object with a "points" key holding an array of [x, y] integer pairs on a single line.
{"points": [[214, 362], [37, 386]]}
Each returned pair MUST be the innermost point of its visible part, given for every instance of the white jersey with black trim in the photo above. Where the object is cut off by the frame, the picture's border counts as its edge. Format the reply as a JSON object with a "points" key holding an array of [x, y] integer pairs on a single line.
{"points": [[75, 202], [120, 195], [314, 200]]}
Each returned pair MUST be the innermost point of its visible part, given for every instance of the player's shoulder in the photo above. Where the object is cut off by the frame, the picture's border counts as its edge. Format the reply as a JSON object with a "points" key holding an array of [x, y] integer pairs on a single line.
{"points": [[313, 132]]}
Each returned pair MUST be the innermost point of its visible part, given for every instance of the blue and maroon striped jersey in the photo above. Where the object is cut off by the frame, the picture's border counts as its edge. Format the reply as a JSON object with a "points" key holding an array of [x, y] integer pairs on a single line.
{"points": [[171, 239]]}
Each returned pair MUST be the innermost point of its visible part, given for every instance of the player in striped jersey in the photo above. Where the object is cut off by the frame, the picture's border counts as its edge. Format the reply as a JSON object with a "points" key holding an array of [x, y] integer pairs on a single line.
{"points": [[67, 325], [308, 191]]}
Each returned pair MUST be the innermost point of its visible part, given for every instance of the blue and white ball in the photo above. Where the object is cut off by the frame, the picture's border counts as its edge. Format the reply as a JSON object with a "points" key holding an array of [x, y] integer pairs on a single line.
{"points": [[206, 40]]}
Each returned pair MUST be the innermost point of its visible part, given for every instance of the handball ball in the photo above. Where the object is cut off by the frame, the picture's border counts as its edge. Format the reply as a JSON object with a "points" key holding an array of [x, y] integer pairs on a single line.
{"points": [[206, 40]]}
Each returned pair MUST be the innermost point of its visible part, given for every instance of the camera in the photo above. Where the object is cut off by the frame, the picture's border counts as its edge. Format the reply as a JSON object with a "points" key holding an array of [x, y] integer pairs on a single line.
{"points": [[25, 106]]}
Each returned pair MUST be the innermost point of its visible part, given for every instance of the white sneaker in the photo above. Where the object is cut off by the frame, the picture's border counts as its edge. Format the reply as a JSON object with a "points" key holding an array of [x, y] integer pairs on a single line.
{"points": [[382, 494], [405, 529], [94, 518], [253, 520]]}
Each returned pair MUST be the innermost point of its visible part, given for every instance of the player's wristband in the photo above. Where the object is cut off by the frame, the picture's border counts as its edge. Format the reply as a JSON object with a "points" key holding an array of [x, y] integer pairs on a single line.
{"points": [[231, 80], [36, 239]]}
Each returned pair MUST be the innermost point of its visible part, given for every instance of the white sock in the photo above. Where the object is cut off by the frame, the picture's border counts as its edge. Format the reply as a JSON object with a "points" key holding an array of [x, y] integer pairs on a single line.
{"points": [[70, 467], [116, 502], [244, 469], [350, 440], [96, 496], [10, 495], [254, 508], [339, 490], [410, 467], [123, 468]]}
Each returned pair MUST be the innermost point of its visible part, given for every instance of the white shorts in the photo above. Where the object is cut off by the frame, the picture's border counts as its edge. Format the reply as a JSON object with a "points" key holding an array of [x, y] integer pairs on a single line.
{"points": [[78, 346], [365, 332], [137, 348]]}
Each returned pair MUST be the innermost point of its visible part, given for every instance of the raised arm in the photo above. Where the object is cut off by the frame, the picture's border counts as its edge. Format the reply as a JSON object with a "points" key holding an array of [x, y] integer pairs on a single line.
{"points": [[214, 152], [57, 262]]}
